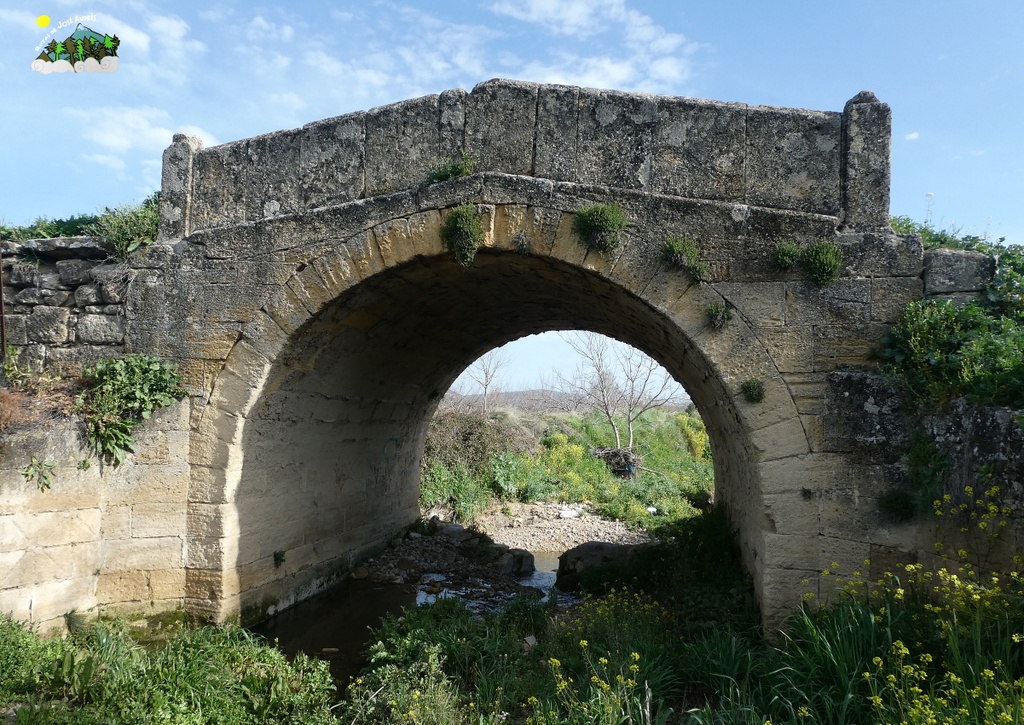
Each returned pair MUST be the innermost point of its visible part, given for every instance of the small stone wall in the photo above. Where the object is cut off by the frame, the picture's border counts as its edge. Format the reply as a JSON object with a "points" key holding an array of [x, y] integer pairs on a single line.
{"points": [[102, 538], [63, 302]]}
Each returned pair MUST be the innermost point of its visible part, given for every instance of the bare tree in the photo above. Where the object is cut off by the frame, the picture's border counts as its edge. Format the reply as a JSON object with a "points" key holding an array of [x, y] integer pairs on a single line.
{"points": [[486, 372], [617, 379]]}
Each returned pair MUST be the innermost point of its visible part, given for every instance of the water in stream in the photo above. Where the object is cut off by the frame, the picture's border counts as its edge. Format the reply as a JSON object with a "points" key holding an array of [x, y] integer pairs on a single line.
{"points": [[336, 625]]}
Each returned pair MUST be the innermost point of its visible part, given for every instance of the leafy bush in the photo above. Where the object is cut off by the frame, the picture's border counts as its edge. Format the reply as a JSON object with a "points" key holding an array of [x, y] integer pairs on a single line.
{"points": [[129, 226], [685, 254], [753, 390], [463, 233], [598, 226], [787, 255], [119, 394], [204, 675], [44, 228], [942, 351], [450, 168], [822, 262]]}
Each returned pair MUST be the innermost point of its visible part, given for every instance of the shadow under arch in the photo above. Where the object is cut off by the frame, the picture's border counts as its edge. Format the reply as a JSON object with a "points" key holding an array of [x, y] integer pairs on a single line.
{"points": [[320, 413]]}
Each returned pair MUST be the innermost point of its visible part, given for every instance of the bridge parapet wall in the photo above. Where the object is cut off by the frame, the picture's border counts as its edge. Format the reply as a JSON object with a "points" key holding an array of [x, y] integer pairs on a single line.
{"points": [[824, 163]]}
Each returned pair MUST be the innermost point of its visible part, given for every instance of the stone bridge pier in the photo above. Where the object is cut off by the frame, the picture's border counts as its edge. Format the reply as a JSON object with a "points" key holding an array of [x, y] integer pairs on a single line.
{"points": [[301, 283]]}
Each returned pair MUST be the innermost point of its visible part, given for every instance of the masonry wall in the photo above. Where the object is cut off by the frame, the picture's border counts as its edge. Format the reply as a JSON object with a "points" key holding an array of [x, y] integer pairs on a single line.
{"points": [[98, 539]]}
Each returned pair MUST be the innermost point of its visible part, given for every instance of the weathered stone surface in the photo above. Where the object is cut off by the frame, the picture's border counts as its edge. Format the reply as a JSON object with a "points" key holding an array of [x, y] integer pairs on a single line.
{"points": [[556, 134], [862, 415], [700, 149], [74, 272], [69, 248], [616, 138], [508, 146], [867, 125], [47, 324], [793, 159], [99, 329], [954, 270], [88, 294], [402, 141], [38, 296], [331, 161]]}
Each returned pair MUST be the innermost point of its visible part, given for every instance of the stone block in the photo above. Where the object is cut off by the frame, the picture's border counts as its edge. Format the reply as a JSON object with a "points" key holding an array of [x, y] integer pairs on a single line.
{"points": [[792, 159], [837, 346], [331, 161], [889, 295], [151, 520], [167, 584], [116, 522], [402, 141], [51, 600], [218, 193], [616, 138], [26, 530], [867, 132], [506, 146], [122, 586], [88, 294], [700, 149], [760, 304], [72, 360], [99, 329], [166, 552], [272, 163], [557, 114], [40, 296], [28, 567], [74, 272], [48, 324], [791, 348], [176, 187], [954, 270]]}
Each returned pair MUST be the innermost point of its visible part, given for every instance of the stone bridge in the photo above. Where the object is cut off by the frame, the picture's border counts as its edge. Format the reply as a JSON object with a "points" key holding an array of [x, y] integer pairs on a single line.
{"points": [[301, 283]]}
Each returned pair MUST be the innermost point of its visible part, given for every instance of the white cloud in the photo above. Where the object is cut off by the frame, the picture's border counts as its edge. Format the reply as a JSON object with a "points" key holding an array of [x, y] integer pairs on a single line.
{"points": [[111, 162], [649, 58], [260, 30], [132, 39], [124, 129], [20, 19], [576, 18], [912, 136]]}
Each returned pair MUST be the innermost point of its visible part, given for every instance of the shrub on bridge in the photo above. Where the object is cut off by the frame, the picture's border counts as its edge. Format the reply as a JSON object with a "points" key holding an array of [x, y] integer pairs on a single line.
{"points": [[119, 394], [684, 254], [599, 225], [462, 233]]}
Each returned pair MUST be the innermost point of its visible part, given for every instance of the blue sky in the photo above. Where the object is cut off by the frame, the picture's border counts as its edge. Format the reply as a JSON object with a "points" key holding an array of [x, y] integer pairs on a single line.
{"points": [[953, 73]]}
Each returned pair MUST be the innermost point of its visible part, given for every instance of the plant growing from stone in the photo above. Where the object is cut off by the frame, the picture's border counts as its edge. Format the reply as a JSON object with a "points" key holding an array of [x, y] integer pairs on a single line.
{"points": [[822, 262], [684, 254], [753, 390], [129, 226], [450, 167], [599, 225], [39, 471], [119, 394], [718, 314], [462, 233], [787, 255]]}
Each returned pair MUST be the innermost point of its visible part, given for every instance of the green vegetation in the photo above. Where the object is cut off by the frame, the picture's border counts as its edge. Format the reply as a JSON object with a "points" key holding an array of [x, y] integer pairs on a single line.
{"points": [[753, 390], [942, 351], [450, 168], [787, 255], [718, 314], [473, 462], [822, 262], [119, 394], [685, 254], [127, 227], [462, 232], [39, 471], [207, 675], [599, 225]]}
